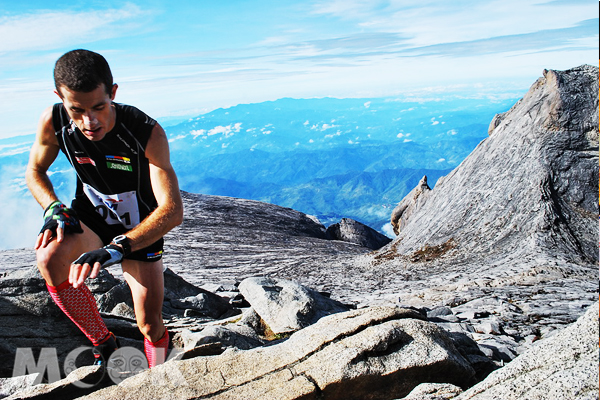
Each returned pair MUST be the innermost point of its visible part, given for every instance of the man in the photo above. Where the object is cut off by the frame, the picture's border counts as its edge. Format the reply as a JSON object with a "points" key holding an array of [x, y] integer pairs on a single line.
{"points": [[127, 199]]}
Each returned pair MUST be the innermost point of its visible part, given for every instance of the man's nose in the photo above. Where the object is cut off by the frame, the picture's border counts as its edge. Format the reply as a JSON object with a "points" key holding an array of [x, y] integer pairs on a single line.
{"points": [[89, 118]]}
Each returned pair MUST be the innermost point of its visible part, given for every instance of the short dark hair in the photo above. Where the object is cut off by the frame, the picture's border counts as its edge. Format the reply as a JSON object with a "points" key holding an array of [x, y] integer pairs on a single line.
{"points": [[82, 71]]}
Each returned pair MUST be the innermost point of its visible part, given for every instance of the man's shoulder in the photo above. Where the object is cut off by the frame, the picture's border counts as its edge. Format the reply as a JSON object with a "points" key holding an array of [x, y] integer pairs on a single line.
{"points": [[133, 115], [56, 116]]}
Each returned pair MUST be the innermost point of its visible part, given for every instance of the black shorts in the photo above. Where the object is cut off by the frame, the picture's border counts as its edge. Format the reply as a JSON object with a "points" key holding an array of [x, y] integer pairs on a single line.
{"points": [[88, 215]]}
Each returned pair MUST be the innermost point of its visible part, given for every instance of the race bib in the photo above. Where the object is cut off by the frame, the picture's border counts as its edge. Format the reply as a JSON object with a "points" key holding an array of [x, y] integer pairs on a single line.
{"points": [[116, 209]]}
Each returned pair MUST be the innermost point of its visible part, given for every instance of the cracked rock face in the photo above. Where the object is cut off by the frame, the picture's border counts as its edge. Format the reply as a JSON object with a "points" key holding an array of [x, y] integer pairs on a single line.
{"points": [[563, 367], [515, 223], [531, 187], [374, 353]]}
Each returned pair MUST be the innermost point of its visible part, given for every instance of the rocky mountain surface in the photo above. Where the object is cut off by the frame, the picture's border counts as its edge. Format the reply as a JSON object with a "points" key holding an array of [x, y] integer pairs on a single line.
{"points": [[487, 270], [513, 228]]}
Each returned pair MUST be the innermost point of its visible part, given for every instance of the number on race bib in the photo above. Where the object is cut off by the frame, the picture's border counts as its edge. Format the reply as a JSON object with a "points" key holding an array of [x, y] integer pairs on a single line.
{"points": [[121, 208]]}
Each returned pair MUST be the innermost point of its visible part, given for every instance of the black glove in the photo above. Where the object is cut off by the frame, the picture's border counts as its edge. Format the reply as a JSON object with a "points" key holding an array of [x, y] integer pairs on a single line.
{"points": [[59, 215], [106, 256]]}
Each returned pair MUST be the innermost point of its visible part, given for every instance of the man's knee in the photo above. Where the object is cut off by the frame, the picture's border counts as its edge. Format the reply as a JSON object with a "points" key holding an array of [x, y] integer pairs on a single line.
{"points": [[54, 262], [49, 256]]}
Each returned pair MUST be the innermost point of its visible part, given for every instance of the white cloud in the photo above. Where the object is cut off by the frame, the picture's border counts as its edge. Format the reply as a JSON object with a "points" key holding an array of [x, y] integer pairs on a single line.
{"points": [[332, 135], [323, 127], [178, 137], [427, 22], [47, 30], [345, 9], [16, 149], [226, 131], [388, 230]]}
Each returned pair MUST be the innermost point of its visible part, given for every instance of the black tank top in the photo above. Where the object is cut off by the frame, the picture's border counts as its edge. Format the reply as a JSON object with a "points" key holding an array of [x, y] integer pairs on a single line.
{"points": [[112, 174]]}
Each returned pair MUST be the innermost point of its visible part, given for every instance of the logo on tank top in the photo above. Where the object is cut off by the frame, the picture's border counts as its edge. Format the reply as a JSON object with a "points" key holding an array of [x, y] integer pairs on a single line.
{"points": [[85, 160], [119, 163]]}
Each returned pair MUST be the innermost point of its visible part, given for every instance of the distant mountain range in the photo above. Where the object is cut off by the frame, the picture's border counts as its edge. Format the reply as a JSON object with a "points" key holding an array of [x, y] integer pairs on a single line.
{"points": [[331, 158]]}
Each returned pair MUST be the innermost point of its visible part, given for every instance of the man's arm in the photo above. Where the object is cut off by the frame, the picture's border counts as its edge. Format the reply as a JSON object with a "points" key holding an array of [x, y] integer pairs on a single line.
{"points": [[169, 212], [43, 153]]}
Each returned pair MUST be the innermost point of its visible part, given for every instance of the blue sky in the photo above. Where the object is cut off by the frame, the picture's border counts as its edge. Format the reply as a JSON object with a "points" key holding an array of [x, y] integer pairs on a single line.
{"points": [[183, 58]]}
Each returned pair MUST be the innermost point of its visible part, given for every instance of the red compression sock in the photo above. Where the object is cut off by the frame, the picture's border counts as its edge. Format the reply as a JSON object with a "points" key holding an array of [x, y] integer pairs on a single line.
{"points": [[156, 352], [80, 306]]}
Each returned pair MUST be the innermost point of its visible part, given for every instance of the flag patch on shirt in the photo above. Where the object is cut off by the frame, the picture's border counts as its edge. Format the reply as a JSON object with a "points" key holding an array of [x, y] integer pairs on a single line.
{"points": [[118, 159], [118, 162], [85, 160]]}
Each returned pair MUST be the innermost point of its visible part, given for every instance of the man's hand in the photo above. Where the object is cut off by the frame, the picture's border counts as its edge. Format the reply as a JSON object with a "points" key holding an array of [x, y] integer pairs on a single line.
{"points": [[58, 221], [94, 261]]}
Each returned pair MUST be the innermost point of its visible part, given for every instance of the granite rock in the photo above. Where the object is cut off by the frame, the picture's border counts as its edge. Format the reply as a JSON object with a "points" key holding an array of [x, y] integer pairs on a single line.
{"points": [[349, 230]]}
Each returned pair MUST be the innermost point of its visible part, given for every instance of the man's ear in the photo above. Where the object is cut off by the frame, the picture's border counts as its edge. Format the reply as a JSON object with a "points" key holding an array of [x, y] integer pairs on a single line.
{"points": [[58, 94], [113, 91]]}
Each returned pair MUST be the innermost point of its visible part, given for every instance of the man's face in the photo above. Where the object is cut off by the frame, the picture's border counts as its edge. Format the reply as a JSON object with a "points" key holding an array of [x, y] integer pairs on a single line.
{"points": [[92, 112]]}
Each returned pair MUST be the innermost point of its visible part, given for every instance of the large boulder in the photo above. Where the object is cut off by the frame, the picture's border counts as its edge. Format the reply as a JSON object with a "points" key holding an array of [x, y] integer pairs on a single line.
{"points": [[349, 230], [79, 382], [287, 306], [374, 353], [564, 366]]}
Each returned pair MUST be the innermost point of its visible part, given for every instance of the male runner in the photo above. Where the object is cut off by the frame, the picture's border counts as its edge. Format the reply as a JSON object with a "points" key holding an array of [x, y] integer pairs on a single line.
{"points": [[127, 199]]}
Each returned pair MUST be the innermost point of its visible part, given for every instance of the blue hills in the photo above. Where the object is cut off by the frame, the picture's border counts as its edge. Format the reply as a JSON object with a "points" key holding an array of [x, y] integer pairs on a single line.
{"points": [[331, 158]]}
